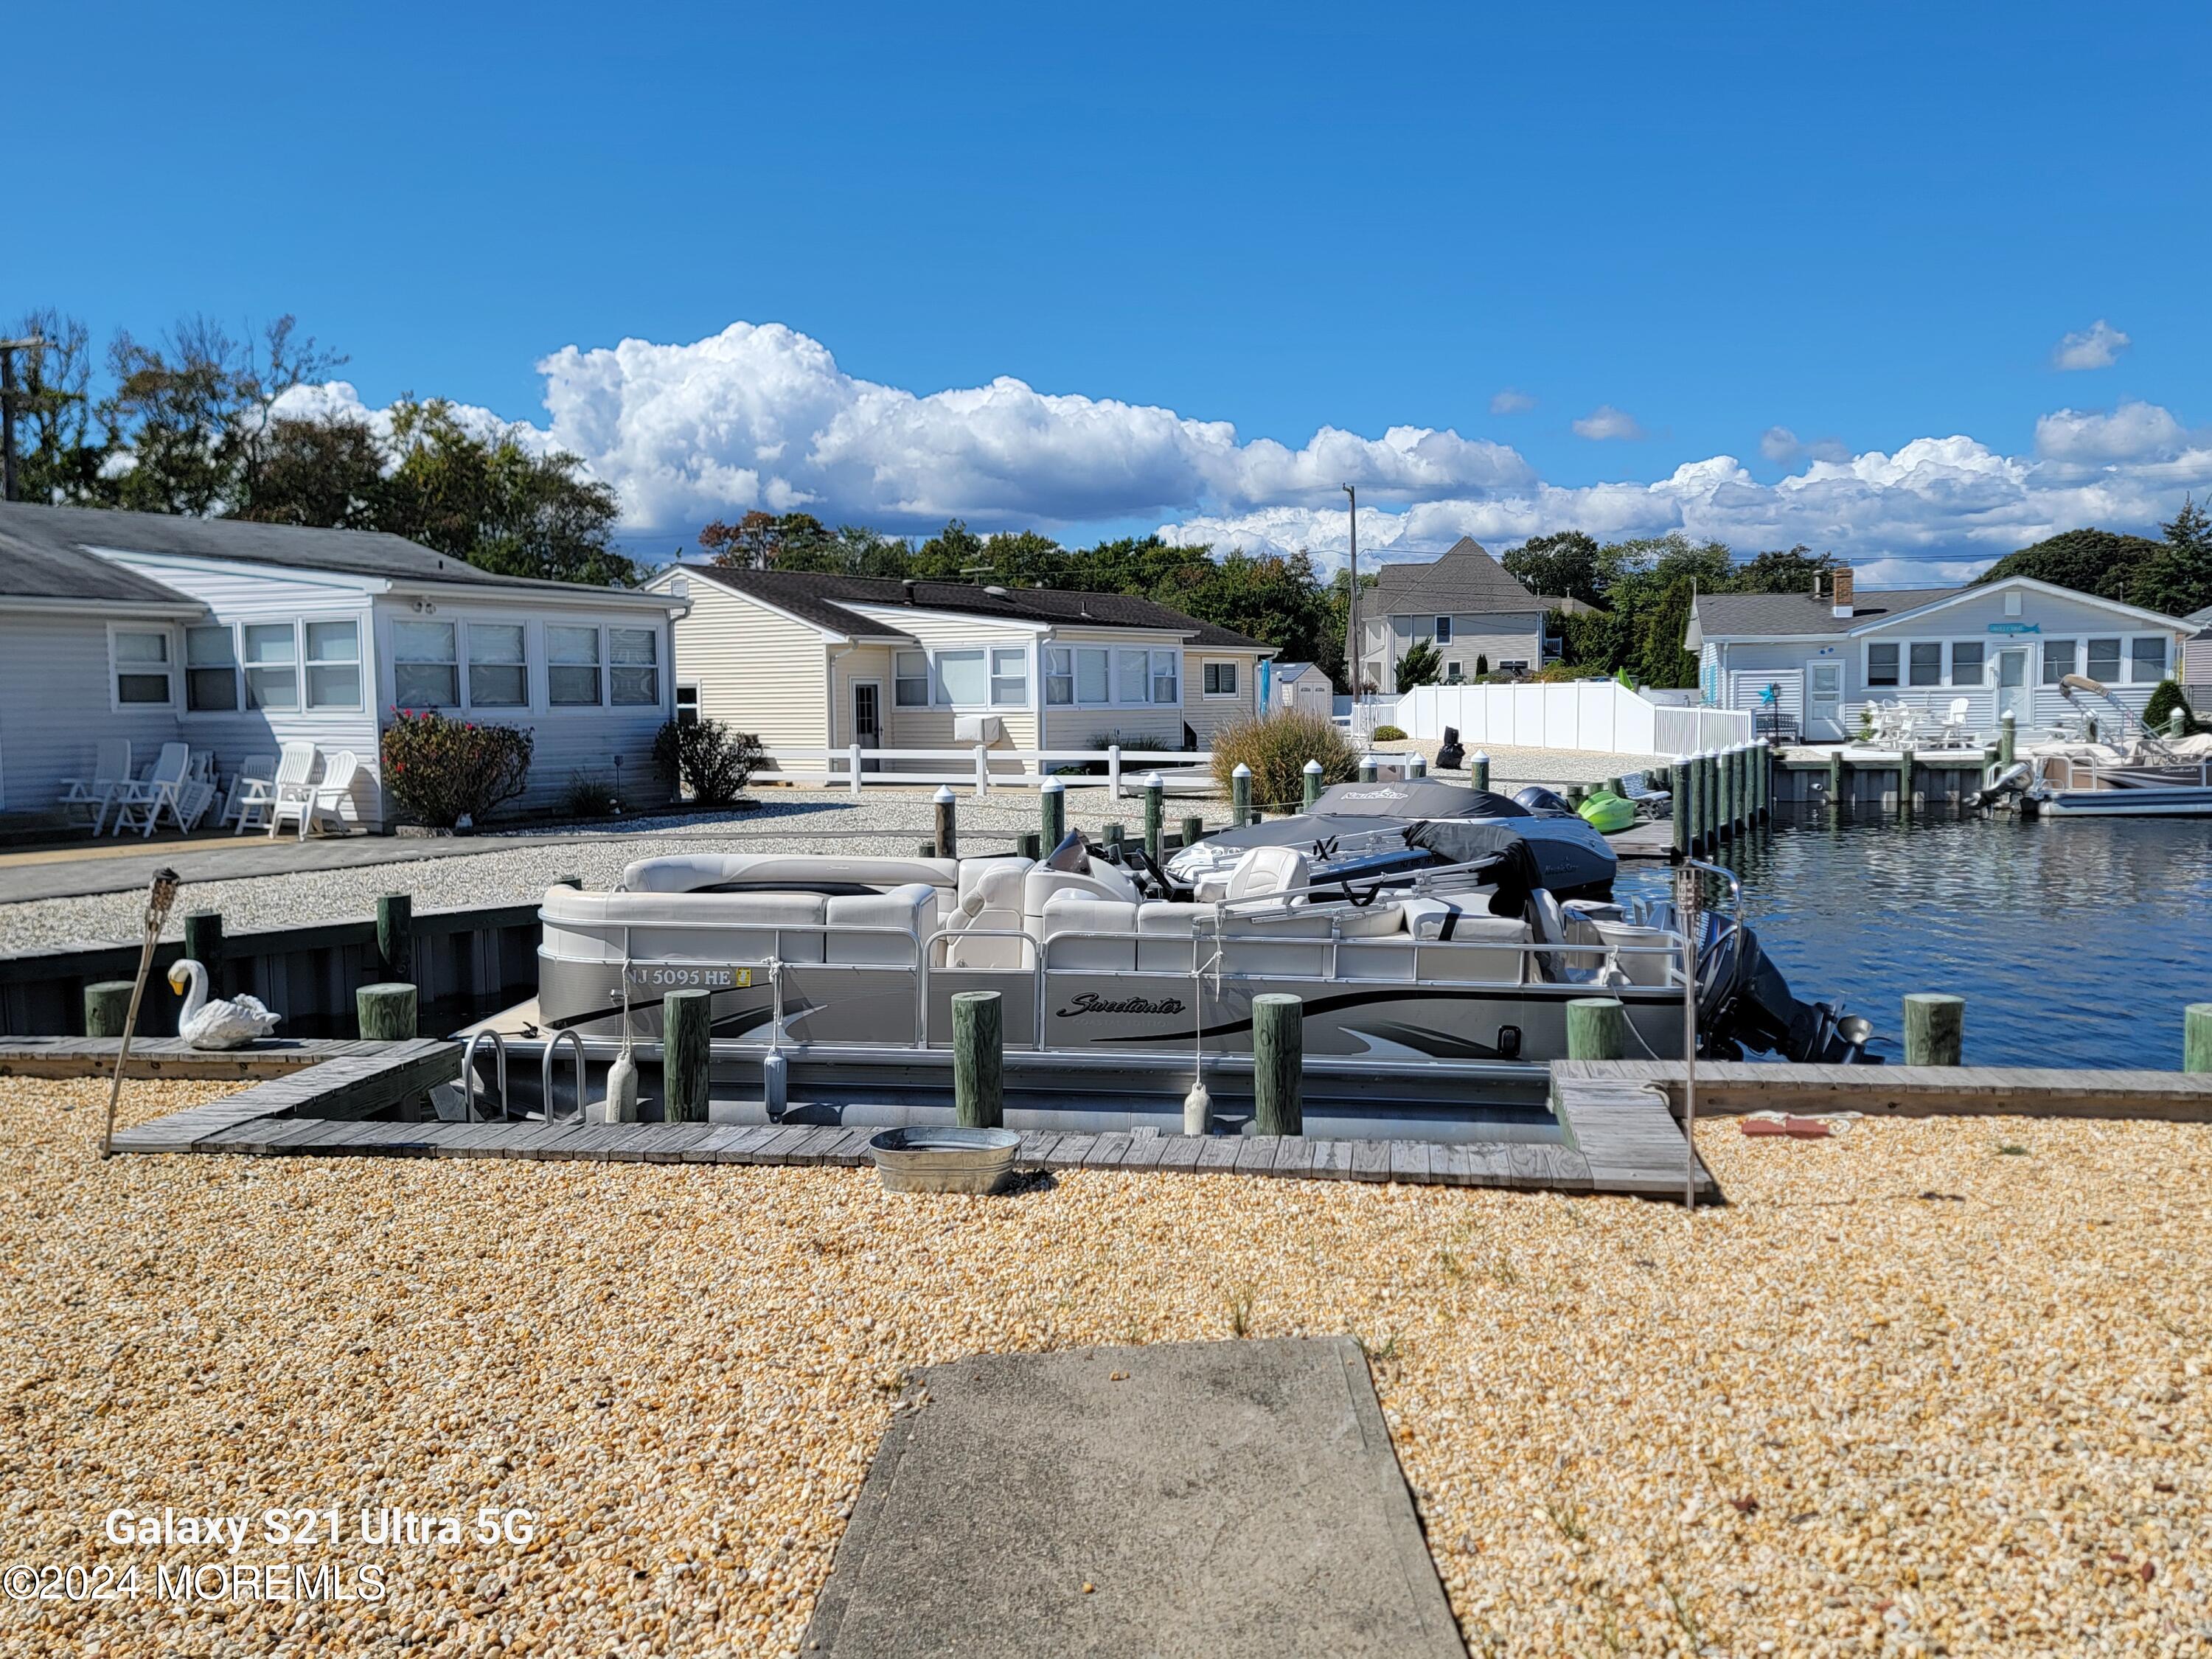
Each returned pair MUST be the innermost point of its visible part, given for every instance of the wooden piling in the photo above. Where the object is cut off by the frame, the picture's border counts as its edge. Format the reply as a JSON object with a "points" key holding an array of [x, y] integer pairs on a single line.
{"points": [[395, 936], [2008, 737], [1836, 780], [1277, 1064], [1479, 769], [1109, 836], [576, 881], [1416, 766], [2177, 723], [947, 827], [1935, 1029], [2196, 1037], [107, 1006], [1905, 782], [979, 1061], [1367, 774], [1240, 796], [1194, 831], [1617, 786], [203, 944], [1724, 776], [1311, 785], [1155, 814], [1678, 812], [1052, 812], [386, 1013], [686, 1050], [1028, 845], [1597, 1029]]}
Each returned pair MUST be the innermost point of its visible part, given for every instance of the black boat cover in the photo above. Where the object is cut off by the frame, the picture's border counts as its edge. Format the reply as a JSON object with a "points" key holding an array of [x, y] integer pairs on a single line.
{"points": [[1571, 859], [1413, 798]]}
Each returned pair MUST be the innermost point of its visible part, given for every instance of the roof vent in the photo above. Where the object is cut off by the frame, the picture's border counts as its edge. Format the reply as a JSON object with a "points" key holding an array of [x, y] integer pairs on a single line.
{"points": [[995, 591], [909, 584]]}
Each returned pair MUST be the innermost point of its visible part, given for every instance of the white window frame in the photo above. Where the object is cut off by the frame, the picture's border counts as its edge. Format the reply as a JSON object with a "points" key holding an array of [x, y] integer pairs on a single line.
{"points": [[1208, 678], [453, 625], [652, 632], [2073, 644], [1059, 665], [901, 679], [991, 650], [598, 664], [1019, 678], [237, 672], [1172, 658], [170, 665], [2165, 656], [358, 663], [2121, 641], [468, 666], [1897, 681], [1981, 642]]}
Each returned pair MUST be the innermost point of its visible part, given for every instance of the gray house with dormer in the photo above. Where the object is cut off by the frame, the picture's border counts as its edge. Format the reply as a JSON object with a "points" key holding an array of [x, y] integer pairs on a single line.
{"points": [[1480, 619]]}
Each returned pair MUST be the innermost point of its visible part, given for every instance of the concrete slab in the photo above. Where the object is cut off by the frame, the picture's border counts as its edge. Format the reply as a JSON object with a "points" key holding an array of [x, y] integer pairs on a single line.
{"points": [[1220, 1499]]}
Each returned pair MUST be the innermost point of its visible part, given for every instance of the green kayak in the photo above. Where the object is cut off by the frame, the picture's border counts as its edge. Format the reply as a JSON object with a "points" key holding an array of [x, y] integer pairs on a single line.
{"points": [[1608, 813]]}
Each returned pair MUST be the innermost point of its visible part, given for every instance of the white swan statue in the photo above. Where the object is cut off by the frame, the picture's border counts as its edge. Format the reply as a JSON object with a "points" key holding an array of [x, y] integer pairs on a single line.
{"points": [[220, 1024]]}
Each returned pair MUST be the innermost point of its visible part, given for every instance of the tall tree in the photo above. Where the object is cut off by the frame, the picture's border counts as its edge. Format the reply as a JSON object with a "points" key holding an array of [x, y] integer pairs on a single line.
{"points": [[58, 457], [1560, 565]]}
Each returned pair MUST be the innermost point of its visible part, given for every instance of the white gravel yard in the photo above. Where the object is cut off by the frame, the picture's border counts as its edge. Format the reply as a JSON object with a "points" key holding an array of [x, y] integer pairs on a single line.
{"points": [[514, 867]]}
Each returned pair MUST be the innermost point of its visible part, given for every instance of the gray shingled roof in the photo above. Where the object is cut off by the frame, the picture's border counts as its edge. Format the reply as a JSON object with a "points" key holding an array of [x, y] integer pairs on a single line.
{"points": [[821, 599], [1466, 580], [48, 545], [1768, 616]]}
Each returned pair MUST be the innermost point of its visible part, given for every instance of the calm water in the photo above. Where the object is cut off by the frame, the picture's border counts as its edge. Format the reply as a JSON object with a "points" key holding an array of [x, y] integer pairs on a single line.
{"points": [[2075, 943]]}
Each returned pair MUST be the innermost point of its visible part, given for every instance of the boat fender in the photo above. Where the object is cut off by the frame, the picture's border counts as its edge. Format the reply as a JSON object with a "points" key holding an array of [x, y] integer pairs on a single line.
{"points": [[775, 1085], [621, 1104], [1197, 1110]]}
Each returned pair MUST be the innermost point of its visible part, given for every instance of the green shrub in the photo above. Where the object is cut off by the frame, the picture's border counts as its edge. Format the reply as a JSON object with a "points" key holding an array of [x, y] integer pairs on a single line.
{"points": [[1390, 734], [586, 797], [1277, 747], [707, 758], [1420, 666], [2164, 698], [452, 775]]}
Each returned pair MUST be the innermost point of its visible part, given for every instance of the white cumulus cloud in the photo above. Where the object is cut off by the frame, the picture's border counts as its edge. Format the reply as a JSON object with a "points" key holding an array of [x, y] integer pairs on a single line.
{"points": [[1510, 402], [2134, 431], [2097, 346], [1606, 422]]}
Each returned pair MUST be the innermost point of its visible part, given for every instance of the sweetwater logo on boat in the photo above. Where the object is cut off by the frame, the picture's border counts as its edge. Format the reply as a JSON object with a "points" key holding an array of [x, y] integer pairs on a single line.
{"points": [[1090, 1002], [1376, 794]]}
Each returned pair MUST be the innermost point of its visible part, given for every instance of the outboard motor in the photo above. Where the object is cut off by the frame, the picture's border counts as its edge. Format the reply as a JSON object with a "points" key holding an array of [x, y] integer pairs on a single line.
{"points": [[1452, 756], [1743, 1002], [1537, 798], [2013, 781]]}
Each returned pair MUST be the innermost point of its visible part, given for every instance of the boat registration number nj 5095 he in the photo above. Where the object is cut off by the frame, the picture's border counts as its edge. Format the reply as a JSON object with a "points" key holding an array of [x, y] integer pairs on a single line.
{"points": [[687, 976]]}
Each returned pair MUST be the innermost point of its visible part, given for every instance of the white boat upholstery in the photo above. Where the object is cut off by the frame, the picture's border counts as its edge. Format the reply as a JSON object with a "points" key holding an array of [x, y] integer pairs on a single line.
{"points": [[1266, 870], [1069, 923], [990, 903], [912, 909], [1637, 968], [690, 872], [666, 926], [1040, 885]]}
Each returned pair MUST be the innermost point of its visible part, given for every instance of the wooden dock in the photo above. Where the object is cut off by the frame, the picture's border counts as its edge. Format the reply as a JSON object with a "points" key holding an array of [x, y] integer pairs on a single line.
{"points": [[1649, 838], [1733, 1087]]}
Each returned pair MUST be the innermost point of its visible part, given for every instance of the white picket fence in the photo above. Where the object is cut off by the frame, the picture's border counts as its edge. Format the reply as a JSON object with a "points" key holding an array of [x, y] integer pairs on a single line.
{"points": [[1603, 716], [1183, 772]]}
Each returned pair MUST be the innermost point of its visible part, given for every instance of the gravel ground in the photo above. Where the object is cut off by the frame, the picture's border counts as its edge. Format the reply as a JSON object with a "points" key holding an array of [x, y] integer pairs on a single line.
{"points": [[1912, 1393], [516, 866]]}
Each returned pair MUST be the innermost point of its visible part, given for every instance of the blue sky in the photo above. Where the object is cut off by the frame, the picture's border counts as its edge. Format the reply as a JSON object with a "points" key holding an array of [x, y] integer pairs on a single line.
{"points": [[1868, 226]]}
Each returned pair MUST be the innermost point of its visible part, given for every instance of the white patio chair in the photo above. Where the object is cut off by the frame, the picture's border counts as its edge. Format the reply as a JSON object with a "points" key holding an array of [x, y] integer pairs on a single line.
{"points": [[258, 799], [139, 803], [325, 799], [111, 770], [254, 769], [1955, 734]]}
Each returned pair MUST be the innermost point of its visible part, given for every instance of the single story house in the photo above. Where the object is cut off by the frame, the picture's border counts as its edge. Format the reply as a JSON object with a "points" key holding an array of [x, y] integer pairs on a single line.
{"points": [[2197, 654], [1302, 685], [2003, 647], [239, 637], [1479, 618], [811, 661]]}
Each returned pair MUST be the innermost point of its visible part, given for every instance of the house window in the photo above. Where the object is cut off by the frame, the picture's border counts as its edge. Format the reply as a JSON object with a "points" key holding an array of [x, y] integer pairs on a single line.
{"points": [[572, 666], [1966, 662], [1927, 662], [424, 673], [142, 666], [1443, 631], [960, 678], [271, 651], [1059, 674], [687, 705], [499, 671], [2105, 661], [2058, 660], [1134, 670], [633, 666], [1010, 676], [910, 680], [1451, 674], [2147, 659], [1221, 679], [333, 665], [1091, 670], [1881, 665], [1167, 675], [210, 669]]}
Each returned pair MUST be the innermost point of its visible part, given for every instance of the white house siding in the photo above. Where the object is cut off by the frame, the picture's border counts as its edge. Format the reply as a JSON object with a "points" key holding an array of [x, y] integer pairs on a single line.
{"points": [[934, 728], [2197, 660], [1207, 716], [756, 670], [55, 703]]}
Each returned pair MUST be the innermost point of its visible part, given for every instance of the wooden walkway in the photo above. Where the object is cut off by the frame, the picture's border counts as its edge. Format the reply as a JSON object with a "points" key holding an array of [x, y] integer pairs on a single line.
{"points": [[1652, 838], [1726, 1087], [168, 1057]]}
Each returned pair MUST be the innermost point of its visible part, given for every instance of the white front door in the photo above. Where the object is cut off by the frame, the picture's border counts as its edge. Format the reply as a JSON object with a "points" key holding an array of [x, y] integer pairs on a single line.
{"points": [[2016, 696], [1824, 700]]}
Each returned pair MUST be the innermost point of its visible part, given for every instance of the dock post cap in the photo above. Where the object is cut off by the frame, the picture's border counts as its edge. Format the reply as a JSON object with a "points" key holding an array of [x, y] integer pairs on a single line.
{"points": [[1051, 784], [1151, 780], [943, 796], [1241, 771], [1310, 766], [1482, 755]]}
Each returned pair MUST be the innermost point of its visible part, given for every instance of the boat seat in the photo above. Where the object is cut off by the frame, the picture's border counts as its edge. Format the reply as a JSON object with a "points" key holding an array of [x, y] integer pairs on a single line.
{"points": [[1459, 931], [688, 873], [1068, 926], [911, 909], [1039, 885], [992, 905], [1266, 870], [667, 926], [1636, 969]]}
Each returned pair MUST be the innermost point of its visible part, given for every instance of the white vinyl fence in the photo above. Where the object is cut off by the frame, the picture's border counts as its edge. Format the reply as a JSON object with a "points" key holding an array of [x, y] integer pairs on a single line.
{"points": [[1603, 716], [1184, 772]]}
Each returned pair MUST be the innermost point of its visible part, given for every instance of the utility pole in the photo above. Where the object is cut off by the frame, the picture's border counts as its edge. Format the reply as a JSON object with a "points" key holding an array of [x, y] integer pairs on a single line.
{"points": [[8, 350], [1357, 645]]}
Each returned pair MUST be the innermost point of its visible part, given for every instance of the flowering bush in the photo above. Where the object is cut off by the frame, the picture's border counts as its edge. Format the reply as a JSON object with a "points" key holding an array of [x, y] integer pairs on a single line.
{"points": [[453, 774], [1277, 747]]}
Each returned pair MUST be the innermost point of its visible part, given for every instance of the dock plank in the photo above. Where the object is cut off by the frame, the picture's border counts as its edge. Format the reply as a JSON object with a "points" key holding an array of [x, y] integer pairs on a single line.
{"points": [[1370, 1160]]}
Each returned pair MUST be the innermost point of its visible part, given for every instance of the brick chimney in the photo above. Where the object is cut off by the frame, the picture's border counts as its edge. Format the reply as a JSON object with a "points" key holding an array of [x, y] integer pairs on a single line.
{"points": [[1843, 592]]}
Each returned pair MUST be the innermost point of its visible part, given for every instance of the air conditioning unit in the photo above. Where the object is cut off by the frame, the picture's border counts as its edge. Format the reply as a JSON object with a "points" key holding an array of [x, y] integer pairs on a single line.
{"points": [[986, 729]]}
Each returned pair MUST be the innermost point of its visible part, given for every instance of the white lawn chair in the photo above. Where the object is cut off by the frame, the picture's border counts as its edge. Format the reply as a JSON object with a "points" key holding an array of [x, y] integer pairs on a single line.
{"points": [[254, 769], [139, 803], [325, 799], [111, 770], [1955, 734], [258, 798]]}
